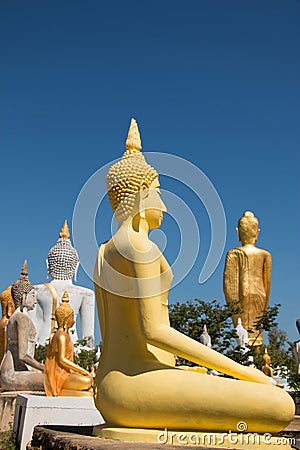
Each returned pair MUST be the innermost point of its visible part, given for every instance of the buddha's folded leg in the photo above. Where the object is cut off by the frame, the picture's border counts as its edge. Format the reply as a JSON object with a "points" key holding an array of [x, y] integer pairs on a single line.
{"points": [[13, 380], [176, 399], [77, 382]]}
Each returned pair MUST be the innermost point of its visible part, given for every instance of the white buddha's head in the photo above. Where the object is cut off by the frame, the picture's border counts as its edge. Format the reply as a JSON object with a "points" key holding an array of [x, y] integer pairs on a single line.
{"points": [[63, 261]]}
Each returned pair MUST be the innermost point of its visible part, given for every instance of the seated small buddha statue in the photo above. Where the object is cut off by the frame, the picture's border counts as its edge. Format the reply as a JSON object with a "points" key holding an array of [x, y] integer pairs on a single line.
{"points": [[268, 370], [62, 263], [19, 371], [8, 308], [247, 277], [62, 376], [138, 384]]}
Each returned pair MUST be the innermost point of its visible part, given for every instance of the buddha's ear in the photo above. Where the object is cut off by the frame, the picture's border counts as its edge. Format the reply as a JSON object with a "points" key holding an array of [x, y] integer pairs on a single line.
{"points": [[144, 190], [256, 237]]}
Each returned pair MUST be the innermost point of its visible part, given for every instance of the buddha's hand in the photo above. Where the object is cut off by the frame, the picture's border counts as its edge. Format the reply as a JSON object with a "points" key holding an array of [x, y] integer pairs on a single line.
{"points": [[255, 375], [86, 373]]}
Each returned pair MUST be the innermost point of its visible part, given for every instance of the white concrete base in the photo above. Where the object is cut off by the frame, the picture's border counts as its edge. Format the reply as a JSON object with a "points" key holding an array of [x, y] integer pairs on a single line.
{"points": [[32, 410]]}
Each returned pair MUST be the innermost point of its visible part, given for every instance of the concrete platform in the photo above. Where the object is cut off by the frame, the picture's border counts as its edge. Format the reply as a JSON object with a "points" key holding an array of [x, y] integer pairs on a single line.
{"points": [[46, 438], [79, 438], [8, 406]]}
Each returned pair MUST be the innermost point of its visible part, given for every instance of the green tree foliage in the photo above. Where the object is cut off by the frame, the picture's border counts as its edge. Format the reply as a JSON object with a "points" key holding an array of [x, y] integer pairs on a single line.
{"points": [[40, 353], [7, 442], [83, 356], [189, 318]]}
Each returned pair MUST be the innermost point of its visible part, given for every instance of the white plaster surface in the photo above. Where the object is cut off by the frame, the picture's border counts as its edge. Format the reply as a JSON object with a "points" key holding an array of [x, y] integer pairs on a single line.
{"points": [[32, 410]]}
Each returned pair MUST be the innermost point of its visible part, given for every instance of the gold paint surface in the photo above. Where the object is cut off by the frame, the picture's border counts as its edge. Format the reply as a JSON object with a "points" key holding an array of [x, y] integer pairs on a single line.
{"points": [[137, 383], [62, 376], [247, 277]]}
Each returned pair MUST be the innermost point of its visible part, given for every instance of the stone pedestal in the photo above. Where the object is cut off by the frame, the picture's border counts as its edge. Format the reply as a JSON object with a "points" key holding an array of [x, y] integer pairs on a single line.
{"points": [[7, 408], [34, 410]]}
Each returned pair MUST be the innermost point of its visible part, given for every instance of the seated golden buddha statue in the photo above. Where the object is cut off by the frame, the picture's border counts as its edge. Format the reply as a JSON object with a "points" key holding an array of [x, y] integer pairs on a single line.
{"points": [[62, 376], [247, 277], [8, 308], [268, 370], [138, 385]]}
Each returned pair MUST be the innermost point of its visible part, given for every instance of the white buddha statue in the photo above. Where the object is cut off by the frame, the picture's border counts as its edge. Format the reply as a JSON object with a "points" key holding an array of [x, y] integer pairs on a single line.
{"points": [[205, 338], [62, 263], [242, 340]]}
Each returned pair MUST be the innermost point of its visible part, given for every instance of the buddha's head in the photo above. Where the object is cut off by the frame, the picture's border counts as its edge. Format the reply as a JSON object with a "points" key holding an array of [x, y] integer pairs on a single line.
{"points": [[22, 290], [133, 186], [62, 258], [248, 228], [64, 314], [7, 303]]}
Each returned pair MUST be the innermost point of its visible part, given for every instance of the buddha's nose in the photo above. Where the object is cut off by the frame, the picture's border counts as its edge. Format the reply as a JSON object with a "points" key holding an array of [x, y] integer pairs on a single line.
{"points": [[163, 207]]}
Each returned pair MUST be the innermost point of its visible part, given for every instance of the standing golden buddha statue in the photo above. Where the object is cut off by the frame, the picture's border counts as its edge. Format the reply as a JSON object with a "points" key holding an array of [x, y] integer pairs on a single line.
{"points": [[8, 308], [247, 277], [62, 376]]}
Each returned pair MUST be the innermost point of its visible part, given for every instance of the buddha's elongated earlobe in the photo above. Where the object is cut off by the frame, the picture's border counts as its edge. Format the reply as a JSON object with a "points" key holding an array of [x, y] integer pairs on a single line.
{"points": [[47, 265], [144, 192], [76, 270], [23, 301], [142, 209]]}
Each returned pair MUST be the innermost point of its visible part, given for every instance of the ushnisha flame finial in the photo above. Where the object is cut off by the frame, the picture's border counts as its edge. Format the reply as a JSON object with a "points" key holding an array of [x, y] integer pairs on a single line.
{"points": [[133, 141], [65, 232], [65, 297], [24, 270]]}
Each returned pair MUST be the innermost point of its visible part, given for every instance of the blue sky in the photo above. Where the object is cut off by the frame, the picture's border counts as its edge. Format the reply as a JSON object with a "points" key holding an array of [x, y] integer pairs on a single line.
{"points": [[214, 82]]}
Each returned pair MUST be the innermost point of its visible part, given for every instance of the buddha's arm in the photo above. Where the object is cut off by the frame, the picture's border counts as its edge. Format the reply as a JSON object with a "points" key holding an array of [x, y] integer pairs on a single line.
{"points": [[66, 363], [23, 327], [267, 275], [146, 280], [87, 320], [231, 278]]}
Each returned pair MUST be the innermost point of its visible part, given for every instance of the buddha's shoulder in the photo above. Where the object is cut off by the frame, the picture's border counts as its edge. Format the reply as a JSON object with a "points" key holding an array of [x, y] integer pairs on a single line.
{"points": [[132, 248], [82, 291], [41, 289], [264, 251], [233, 253]]}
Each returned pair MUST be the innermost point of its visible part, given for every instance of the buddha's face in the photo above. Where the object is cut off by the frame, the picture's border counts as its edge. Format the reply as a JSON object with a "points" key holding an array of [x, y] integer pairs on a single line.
{"points": [[30, 300], [153, 206]]}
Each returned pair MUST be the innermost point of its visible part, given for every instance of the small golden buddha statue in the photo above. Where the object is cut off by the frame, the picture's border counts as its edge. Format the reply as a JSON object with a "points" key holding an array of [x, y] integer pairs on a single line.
{"points": [[138, 384], [8, 308], [62, 376], [268, 370], [247, 277]]}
